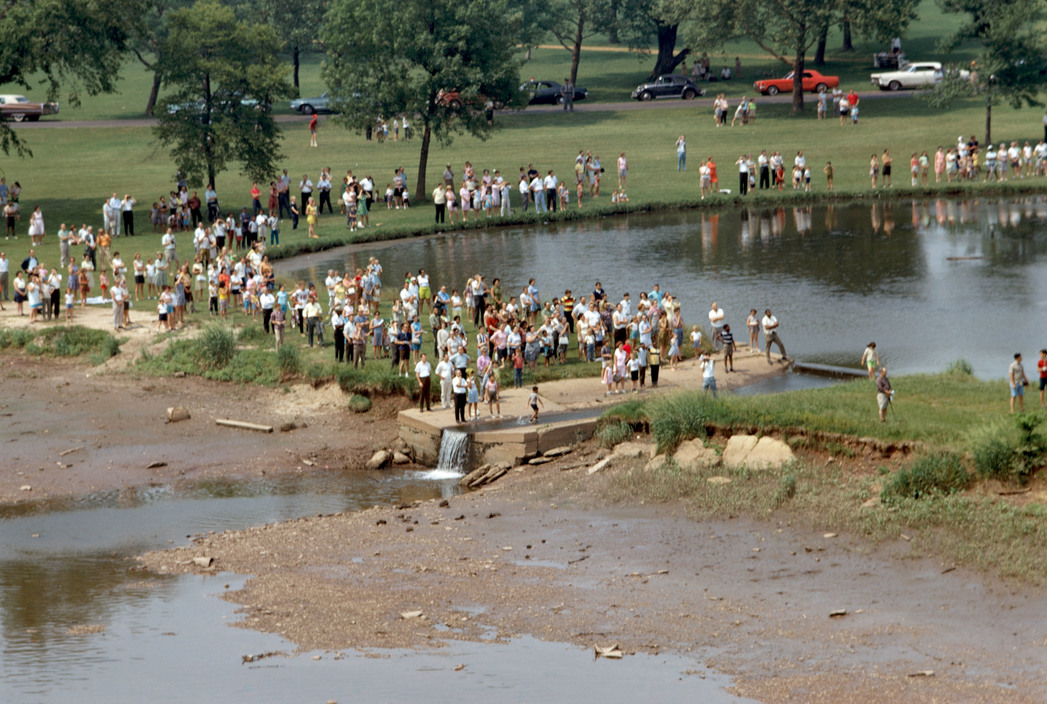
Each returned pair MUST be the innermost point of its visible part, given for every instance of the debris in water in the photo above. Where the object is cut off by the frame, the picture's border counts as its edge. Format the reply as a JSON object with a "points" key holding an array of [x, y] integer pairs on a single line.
{"points": [[922, 673], [405, 615], [460, 667], [203, 561], [837, 613], [612, 652], [156, 464]]}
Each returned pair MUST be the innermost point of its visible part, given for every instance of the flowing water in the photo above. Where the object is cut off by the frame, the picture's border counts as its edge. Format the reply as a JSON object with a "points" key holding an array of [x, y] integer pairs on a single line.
{"points": [[930, 281], [454, 450]]}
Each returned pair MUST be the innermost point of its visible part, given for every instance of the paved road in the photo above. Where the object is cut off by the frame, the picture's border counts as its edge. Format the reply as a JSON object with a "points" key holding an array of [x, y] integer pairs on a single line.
{"points": [[581, 106]]}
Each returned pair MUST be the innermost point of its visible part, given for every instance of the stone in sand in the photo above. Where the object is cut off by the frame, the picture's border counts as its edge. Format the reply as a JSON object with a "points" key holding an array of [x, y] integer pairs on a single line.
{"points": [[694, 454], [379, 460]]}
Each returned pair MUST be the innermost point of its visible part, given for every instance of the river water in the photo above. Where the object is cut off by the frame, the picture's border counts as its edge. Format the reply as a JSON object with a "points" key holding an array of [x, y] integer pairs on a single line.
{"points": [[930, 281], [79, 623]]}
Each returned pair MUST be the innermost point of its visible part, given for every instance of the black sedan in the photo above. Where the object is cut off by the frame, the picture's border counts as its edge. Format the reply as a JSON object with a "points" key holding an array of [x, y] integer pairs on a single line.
{"points": [[670, 85], [549, 93]]}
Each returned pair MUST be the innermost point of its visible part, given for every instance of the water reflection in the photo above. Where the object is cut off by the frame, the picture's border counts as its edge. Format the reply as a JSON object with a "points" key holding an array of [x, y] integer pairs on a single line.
{"points": [[931, 280]]}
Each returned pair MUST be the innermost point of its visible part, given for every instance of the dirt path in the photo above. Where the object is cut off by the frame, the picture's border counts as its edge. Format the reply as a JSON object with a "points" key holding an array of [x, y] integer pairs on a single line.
{"points": [[541, 553]]}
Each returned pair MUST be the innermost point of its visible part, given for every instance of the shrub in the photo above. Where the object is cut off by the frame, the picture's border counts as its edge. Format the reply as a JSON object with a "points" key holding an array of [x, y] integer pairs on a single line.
{"points": [[1008, 450], [216, 345], [786, 488], [612, 432], [359, 404], [960, 367], [633, 412], [254, 334], [677, 417], [289, 360], [936, 474]]}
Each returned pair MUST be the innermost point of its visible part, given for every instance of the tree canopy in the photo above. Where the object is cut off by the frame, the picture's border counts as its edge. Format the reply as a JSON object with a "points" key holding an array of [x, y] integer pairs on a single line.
{"points": [[386, 59], [223, 75], [75, 45], [1012, 62]]}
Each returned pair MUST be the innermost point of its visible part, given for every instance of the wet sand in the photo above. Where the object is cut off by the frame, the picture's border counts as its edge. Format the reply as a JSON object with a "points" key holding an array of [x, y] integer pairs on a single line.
{"points": [[542, 553]]}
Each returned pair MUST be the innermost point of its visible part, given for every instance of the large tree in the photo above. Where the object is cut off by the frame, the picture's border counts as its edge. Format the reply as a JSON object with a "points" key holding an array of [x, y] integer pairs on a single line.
{"points": [[574, 21], [149, 36], [73, 46], [785, 29], [296, 23], [640, 20], [386, 59], [1011, 56], [223, 75]]}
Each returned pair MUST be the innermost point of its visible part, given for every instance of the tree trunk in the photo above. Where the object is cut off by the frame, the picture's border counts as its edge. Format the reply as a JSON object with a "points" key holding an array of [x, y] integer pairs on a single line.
{"points": [[666, 61], [294, 74], [988, 120], [612, 30], [423, 162], [798, 66], [576, 49], [154, 92], [819, 53], [848, 45]]}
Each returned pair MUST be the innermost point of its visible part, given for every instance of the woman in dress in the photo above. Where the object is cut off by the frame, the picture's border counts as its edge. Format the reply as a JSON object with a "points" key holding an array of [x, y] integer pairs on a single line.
{"points": [[874, 169], [274, 199], [36, 227], [20, 292], [472, 397], [310, 217], [33, 294]]}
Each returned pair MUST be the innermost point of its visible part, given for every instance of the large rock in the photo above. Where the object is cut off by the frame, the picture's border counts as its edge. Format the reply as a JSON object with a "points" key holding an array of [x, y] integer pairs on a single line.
{"points": [[400, 458], [765, 453], [738, 448], [379, 460], [634, 450], [177, 413], [694, 454]]}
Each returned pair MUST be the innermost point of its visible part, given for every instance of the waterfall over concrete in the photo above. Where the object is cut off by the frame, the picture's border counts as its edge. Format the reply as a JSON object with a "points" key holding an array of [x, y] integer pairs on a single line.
{"points": [[454, 448]]}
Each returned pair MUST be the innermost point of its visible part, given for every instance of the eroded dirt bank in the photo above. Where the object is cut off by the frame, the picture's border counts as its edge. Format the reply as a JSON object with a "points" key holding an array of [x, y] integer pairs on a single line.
{"points": [[542, 553]]}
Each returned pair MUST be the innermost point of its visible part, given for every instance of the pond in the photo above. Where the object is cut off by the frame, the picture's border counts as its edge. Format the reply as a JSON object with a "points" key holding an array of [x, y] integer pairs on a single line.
{"points": [[930, 281]]}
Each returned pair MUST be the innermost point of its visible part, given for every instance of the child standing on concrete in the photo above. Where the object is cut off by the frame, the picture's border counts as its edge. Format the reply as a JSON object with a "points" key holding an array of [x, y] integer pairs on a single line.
{"points": [[533, 402]]}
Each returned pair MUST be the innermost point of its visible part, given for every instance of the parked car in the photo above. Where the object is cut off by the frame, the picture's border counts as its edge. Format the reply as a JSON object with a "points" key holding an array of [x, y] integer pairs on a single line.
{"points": [[453, 99], [320, 105], [549, 93], [221, 101], [813, 82], [915, 75], [670, 85], [19, 107]]}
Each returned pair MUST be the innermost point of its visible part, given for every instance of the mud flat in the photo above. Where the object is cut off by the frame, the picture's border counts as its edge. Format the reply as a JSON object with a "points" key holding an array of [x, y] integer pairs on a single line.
{"points": [[794, 614]]}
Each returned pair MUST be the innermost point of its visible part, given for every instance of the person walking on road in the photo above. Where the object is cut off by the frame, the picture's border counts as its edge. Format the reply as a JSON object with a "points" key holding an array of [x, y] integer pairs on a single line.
{"points": [[770, 335], [883, 393], [568, 95]]}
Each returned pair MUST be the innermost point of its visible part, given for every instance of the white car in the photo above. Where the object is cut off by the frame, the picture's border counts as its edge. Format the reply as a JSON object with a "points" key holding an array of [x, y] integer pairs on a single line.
{"points": [[918, 74]]}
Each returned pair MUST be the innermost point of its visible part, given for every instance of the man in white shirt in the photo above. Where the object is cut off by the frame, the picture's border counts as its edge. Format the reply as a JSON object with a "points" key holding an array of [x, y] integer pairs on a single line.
{"points": [[445, 371], [716, 321], [330, 282], [115, 212], [708, 365], [538, 192], [770, 334], [170, 250], [266, 300], [306, 187], [550, 190], [765, 170], [422, 372]]}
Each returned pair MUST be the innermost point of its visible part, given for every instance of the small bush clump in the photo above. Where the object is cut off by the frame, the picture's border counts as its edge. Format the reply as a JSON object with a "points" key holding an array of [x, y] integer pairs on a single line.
{"points": [[1008, 450], [613, 432], [289, 359], [960, 367], [359, 404], [677, 417], [941, 473], [216, 345]]}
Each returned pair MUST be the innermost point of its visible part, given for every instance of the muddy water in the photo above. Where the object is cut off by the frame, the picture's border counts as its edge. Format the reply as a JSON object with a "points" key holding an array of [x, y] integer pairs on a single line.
{"points": [[929, 280], [79, 622]]}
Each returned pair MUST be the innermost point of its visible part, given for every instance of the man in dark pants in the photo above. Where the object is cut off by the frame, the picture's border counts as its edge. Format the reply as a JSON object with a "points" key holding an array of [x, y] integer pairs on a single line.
{"points": [[568, 95], [423, 372], [765, 170]]}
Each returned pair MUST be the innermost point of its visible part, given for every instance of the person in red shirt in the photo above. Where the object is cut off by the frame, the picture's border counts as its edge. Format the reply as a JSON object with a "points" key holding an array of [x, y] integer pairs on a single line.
{"points": [[1041, 364], [312, 130]]}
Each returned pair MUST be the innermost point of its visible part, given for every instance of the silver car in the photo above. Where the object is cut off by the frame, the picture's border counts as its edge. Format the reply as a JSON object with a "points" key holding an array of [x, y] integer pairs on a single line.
{"points": [[310, 106]]}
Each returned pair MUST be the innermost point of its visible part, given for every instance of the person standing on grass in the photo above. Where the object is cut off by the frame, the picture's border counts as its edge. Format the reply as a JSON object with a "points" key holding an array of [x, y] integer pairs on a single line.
{"points": [[681, 153], [770, 335], [623, 171], [568, 95], [423, 373], [312, 130], [829, 171], [883, 393], [886, 161], [728, 349], [1018, 381], [1041, 365], [743, 175]]}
